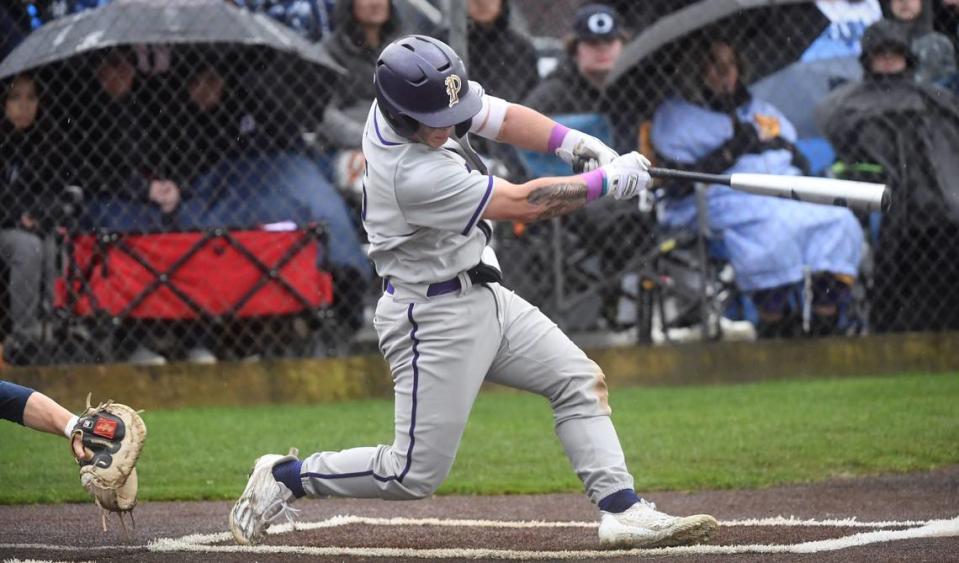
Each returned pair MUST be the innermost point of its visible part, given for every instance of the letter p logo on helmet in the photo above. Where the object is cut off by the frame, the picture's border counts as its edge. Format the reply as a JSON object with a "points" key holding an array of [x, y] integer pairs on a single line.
{"points": [[453, 85]]}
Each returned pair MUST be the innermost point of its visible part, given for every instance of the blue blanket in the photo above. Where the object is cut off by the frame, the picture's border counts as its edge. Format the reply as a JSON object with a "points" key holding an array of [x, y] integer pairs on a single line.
{"points": [[770, 241]]}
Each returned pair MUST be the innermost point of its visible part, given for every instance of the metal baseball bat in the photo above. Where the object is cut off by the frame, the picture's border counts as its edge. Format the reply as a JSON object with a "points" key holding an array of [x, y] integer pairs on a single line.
{"points": [[861, 196]]}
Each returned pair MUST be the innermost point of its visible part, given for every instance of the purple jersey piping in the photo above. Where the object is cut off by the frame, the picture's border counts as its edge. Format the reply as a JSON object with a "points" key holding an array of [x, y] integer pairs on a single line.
{"points": [[376, 126], [482, 206], [409, 450]]}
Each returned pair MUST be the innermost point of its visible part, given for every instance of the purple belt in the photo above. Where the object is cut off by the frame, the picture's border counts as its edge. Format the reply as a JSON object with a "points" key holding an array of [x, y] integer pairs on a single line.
{"points": [[479, 275]]}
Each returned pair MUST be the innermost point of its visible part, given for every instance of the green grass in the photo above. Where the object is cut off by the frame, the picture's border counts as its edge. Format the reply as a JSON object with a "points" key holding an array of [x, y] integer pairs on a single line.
{"points": [[683, 438]]}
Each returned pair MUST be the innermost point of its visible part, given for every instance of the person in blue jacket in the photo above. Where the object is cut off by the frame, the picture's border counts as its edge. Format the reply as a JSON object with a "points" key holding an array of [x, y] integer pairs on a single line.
{"points": [[714, 125]]}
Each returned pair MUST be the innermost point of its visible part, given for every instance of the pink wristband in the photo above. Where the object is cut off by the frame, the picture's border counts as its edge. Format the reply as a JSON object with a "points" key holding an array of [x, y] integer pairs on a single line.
{"points": [[595, 184], [556, 137]]}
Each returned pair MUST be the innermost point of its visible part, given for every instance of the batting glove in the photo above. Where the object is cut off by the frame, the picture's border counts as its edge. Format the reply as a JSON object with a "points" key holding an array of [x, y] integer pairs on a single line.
{"points": [[583, 152], [626, 176]]}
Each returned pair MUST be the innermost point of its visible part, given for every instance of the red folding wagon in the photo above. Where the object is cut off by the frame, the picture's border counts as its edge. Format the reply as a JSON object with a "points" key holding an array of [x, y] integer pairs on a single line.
{"points": [[216, 275]]}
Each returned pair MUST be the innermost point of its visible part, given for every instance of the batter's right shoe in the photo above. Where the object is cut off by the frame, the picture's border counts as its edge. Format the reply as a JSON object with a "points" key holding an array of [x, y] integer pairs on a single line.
{"points": [[643, 526], [263, 501]]}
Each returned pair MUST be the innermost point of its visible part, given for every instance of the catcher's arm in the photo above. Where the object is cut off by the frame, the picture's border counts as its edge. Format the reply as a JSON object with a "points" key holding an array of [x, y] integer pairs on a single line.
{"points": [[46, 415]]}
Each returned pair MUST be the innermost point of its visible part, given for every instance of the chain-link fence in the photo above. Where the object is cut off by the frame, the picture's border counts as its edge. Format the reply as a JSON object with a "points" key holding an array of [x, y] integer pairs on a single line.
{"points": [[182, 179]]}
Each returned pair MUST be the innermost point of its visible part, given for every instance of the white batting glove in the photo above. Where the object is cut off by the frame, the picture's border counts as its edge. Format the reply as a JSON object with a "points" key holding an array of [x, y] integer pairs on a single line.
{"points": [[583, 152], [626, 175]]}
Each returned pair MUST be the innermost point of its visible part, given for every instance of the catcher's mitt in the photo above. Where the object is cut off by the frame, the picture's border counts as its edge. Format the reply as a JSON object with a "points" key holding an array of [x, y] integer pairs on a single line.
{"points": [[106, 442]]}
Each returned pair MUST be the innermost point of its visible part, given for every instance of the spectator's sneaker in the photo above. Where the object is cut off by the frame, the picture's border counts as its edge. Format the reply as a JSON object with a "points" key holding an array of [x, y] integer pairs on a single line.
{"points": [[144, 356], [264, 500], [200, 355], [644, 526]]}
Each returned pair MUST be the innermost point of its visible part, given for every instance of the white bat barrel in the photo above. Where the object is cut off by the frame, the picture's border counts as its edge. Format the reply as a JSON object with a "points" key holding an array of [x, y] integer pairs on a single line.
{"points": [[862, 196]]}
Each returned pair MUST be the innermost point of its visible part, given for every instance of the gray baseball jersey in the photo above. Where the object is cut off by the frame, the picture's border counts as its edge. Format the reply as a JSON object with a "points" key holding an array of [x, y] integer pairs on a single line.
{"points": [[421, 208], [443, 336]]}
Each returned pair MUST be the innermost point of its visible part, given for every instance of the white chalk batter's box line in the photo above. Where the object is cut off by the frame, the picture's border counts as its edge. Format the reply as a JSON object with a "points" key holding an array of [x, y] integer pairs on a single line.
{"points": [[204, 543], [914, 529]]}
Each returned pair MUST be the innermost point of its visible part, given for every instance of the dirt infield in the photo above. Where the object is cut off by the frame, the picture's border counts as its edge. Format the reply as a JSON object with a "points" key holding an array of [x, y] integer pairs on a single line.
{"points": [[911, 517]]}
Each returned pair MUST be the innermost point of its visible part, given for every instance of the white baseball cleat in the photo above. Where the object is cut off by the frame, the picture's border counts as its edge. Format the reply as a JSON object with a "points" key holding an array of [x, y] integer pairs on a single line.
{"points": [[644, 526], [263, 501]]}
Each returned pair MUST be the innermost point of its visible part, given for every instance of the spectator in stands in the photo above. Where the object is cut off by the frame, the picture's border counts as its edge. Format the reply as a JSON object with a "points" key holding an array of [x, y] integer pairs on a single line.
{"points": [[505, 64], [575, 91], [716, 126], [187, 144], [935, 52], [28, 194], [309, 18], [576, 86], [101, 121], [266, 178], [911, 132], [363, 28], [230, 160], [504, 61], [175, 186]]}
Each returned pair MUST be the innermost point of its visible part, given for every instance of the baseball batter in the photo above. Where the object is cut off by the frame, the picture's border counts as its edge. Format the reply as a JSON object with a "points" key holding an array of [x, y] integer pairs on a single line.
{"points": [[445, 322]]}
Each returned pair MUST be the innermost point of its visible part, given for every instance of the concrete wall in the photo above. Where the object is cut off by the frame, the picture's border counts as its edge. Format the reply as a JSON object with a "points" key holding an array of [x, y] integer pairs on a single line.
{"points": [[328, 380]]}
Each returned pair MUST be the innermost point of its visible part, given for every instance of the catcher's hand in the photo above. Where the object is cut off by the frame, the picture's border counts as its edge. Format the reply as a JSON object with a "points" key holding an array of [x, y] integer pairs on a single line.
{"points": [[107, 442]]}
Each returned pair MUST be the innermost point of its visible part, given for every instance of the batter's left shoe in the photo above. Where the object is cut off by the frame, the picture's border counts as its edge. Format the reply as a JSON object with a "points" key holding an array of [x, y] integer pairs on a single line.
{"points": [[643, 526], [263, 501]]}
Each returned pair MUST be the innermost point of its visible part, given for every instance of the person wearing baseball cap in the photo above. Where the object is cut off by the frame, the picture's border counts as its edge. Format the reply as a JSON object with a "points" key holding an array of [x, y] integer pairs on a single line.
{"points": [[575, 91], [576, 86], [596, 22], [597, 41], [891, 121]]}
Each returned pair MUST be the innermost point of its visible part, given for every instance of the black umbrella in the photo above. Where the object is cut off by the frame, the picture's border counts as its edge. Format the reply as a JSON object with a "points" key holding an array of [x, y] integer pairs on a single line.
{"points": [[786, 27], [768, 35], [138, 22]]}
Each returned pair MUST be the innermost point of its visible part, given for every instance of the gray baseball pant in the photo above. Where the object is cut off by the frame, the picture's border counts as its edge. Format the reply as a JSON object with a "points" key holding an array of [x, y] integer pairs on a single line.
{"points": [[440, 352]]}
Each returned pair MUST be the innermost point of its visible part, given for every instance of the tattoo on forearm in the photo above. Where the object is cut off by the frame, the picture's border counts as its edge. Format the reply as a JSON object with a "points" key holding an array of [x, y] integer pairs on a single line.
{"points": [[557, 199]]}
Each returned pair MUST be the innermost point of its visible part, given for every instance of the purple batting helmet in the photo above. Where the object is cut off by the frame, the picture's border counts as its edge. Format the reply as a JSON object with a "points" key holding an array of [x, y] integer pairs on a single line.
{"points": [[419, 79]]}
